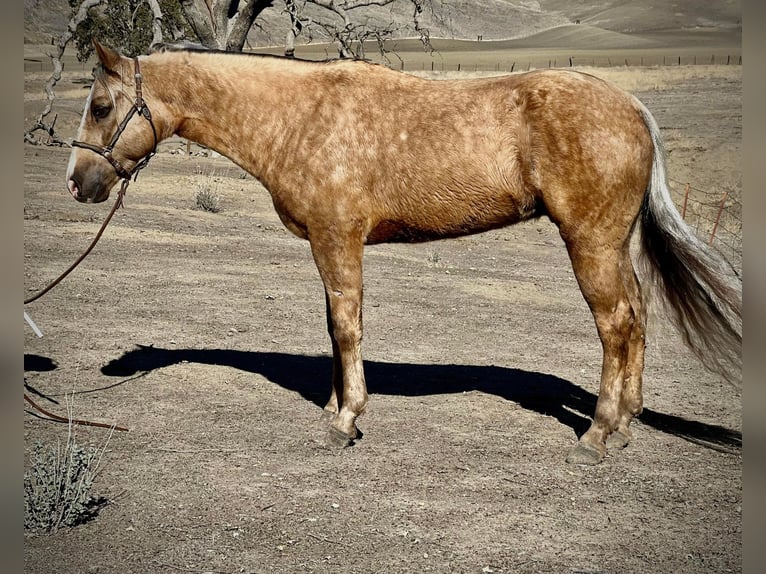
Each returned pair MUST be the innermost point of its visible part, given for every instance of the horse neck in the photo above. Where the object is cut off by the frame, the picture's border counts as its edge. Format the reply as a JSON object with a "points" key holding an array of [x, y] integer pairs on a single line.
{"points": [[234, 104]]}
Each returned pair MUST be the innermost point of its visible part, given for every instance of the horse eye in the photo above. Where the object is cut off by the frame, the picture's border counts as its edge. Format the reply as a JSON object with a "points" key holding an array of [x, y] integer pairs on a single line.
{"points": [[100, 112]]}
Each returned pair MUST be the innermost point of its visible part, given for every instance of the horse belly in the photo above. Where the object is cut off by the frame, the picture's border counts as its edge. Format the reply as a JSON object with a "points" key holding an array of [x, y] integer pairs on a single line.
{"points": [[452, 215], [463, 182]]}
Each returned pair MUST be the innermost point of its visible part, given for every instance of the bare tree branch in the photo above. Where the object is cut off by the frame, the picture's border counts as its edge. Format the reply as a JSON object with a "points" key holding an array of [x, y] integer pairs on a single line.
{"points": [[297, 25], [347, 30], [58, 67], [225, 24]]}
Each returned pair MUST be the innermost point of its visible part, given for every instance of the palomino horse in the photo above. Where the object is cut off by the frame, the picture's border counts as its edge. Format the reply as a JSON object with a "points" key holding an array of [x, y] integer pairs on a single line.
{"points": [[353, 153]]}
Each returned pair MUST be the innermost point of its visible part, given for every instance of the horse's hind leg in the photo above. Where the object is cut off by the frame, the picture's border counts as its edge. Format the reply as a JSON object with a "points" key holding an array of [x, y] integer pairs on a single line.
{"points": [[631, 399], [599, 274]]}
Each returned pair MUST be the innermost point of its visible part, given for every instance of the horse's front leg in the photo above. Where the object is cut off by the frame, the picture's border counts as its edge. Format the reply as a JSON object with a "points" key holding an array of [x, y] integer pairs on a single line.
{"points": [[336, 390], [339, 261]]}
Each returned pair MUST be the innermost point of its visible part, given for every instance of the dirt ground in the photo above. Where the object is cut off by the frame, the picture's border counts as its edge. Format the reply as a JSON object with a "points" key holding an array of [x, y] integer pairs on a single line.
{"points": [[204, 334]]}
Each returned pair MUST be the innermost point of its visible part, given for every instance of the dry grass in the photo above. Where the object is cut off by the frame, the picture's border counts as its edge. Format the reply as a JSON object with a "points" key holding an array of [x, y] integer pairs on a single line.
{"points": [[208, 194], [662, 77], [631, 79]]}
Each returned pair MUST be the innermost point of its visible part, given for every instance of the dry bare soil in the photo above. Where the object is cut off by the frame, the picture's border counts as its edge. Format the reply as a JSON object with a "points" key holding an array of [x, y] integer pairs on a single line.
{"points": [[204, 334]]}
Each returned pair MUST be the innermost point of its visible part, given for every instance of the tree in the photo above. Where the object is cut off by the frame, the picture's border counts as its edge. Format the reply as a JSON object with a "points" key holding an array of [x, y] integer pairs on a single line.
{"points": [[133, 26], [79, 16], [342, 22], [224, 24]]}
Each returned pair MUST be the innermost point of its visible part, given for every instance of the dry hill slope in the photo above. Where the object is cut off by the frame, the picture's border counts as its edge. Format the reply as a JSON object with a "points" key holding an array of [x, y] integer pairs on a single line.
{"points": [[645, 16], [492, 19]]}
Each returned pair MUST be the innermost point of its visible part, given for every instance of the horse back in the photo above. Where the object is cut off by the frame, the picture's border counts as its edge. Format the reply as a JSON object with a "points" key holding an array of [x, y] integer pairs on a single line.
{"points": [[412, 159]]}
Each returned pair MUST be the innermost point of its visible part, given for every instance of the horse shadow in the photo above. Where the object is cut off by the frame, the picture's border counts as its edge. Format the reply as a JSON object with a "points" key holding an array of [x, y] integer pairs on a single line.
{"points": [[309, 376], [38, 363]]}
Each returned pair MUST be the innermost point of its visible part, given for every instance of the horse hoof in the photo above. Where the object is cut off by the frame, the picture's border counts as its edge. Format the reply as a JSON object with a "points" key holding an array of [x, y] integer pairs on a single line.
{"points": [[617, 440], [336, 439], [584, 454], [327, 416]]}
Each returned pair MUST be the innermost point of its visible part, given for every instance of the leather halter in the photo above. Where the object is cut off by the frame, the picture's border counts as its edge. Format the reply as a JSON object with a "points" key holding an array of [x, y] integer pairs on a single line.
{"points": [[140, 107]]}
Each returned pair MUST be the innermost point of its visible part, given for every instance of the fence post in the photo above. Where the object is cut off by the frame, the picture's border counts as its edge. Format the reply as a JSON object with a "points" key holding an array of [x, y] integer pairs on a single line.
{"points": [[686, 200], [718, 217]]}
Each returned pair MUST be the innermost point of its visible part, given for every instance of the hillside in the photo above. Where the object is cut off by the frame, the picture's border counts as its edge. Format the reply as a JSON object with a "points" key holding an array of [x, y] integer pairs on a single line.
{"points": [[44, 19], [646, 16], [463, 19]]}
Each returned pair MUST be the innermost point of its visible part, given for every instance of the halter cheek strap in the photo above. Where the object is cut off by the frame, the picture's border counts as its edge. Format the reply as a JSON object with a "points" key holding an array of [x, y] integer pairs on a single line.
{"points": [[140, 107]]}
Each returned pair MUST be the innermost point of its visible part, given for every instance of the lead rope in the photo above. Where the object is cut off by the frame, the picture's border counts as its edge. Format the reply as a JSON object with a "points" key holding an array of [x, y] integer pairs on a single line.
{"points": [[51, 285], [81, 422], [141, 107], [138, 106]]}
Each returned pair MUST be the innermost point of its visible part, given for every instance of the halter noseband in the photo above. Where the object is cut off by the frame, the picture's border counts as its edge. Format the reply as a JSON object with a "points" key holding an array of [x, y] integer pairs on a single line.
{"points": [[140, 107]]}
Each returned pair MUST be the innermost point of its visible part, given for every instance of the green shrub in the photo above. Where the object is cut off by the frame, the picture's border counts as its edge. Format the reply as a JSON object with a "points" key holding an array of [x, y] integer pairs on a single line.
{"points": [[57, 486]]}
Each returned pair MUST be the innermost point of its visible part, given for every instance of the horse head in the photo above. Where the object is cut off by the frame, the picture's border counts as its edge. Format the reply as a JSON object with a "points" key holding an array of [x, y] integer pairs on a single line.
{"points": [[117, 133]]}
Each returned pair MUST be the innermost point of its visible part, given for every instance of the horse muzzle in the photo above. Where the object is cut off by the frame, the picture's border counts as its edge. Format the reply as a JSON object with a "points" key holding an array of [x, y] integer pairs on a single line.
{"points": [[97, 195]]}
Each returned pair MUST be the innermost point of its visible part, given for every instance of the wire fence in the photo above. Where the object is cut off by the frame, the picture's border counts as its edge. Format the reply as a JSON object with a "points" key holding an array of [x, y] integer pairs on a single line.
{"points": [[492, 61], [478, 62], [715, 216]]}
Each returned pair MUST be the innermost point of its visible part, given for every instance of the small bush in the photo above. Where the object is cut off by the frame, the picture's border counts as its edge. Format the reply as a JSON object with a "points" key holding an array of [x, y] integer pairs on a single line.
{"points": [[207, 200], [57, 486]]}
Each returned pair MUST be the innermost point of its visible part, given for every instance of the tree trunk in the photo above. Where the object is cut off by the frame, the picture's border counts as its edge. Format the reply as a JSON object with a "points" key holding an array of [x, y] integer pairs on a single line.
{"points": [[154, 5], [243, 22], [223, 24], [200, 18]]}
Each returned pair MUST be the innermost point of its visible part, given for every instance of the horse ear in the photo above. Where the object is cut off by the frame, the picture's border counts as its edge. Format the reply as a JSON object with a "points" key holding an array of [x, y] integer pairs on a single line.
{"points": [[108, 57]]}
